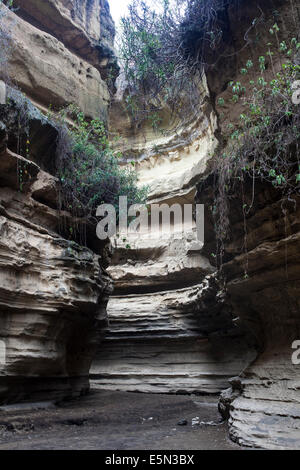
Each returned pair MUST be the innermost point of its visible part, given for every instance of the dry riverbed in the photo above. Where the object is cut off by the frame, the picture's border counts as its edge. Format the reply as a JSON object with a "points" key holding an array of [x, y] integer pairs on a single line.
{"points": [[116, 421]]}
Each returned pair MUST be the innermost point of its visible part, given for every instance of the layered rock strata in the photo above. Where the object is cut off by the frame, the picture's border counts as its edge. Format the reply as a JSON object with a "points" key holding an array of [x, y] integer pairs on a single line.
{"points": [[53, 292], [261, 259], [263, 401], [45, 66], [168, 332], [178, 341], [265, 411]]}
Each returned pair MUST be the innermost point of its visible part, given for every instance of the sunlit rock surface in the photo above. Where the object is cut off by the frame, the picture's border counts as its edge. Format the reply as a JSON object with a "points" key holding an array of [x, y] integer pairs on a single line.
{"points": [[85, 27], [168, 330], [50, 72]]}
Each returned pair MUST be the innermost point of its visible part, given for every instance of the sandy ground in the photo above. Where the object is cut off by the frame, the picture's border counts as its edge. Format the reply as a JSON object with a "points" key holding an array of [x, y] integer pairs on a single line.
{"points": [[106, 420]]}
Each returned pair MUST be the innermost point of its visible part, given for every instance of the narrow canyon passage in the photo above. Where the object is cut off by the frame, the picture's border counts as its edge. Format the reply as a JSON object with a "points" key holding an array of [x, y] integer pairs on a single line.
{"points": [[169, 330], [164, 328], [116, 421]]}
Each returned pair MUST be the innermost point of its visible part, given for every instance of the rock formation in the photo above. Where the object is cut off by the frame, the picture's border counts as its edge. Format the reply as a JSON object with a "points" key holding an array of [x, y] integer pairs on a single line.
{"points": [[263, 403], [175, 341], [51, 74], [53, 292], [266, 411], [165, 334], [169, 330], [173, 325]]}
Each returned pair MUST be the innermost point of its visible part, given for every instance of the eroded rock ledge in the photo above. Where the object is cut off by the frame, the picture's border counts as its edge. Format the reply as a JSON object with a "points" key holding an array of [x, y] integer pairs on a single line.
{"points": [[53, 293], [169, 328], [264, 408], [49, 72], [84, 27], [178, 341], [263, 402], [262, 278]]}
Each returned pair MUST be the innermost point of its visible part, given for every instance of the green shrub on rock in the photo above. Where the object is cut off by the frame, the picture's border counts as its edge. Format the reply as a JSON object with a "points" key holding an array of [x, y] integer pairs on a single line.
{"points": [[89, 168]]}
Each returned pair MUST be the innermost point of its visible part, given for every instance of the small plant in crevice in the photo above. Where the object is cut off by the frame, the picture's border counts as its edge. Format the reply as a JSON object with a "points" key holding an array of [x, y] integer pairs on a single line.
{"points": [[18, 116], [15, 117], [264, 144], [89, 170]]}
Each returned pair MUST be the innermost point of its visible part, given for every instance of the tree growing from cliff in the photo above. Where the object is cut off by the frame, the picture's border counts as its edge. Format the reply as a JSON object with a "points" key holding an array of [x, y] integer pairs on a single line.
{"points": [[162, 50], [165, 47]]}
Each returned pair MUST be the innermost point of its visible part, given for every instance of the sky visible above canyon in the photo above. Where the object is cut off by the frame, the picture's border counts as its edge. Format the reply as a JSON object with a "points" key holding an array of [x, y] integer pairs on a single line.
{"points": [[118, 9]]}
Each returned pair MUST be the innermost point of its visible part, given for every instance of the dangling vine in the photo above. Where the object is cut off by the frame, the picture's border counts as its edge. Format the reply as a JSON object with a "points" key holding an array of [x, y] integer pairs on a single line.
{"points": [[166, 47], [264, 144]]}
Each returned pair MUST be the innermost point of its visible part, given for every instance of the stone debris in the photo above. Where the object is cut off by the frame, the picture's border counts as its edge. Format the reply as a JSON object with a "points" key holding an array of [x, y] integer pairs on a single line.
{"points": [[182, 422]]}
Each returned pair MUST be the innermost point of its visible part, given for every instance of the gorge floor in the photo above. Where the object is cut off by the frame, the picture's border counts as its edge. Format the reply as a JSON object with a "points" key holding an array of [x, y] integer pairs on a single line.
{"points": [[106, 420]]}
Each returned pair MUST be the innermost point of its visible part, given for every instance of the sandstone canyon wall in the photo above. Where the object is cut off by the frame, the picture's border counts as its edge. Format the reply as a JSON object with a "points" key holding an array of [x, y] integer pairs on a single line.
{"points": [[264, 411], [53, 292], [169, 328], [172, 328]]}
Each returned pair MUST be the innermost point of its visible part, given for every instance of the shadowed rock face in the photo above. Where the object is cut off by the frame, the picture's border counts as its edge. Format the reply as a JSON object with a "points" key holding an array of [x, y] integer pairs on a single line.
{"points": [[53, 292], [263, 403], [266, 412], [164, 337]]}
